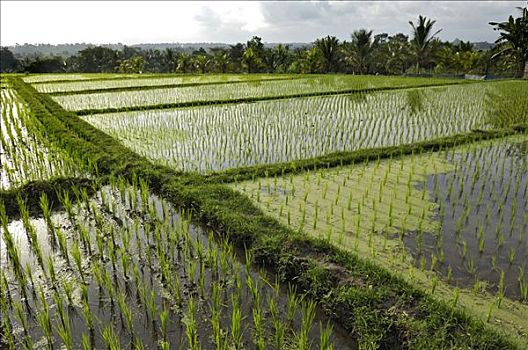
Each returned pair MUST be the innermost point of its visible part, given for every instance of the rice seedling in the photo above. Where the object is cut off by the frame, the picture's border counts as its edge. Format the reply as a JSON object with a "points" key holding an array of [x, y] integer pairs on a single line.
{"points": [[85, 342], [44, 319], [190, 326], [24, 153], [308, 315], [324, 341], [110, 338], [164, 315], [22, 318], [500, 292]]}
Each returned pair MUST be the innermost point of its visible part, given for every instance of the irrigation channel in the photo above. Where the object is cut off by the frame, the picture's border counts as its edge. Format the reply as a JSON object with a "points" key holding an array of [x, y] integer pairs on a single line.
{"points": [[126, 269]]}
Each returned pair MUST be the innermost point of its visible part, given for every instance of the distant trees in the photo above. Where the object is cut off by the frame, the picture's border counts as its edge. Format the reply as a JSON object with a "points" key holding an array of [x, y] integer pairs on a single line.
{"points": [[251, 60], [8, 62], [96, 59], [184, 63], [220, 60], [52, 64], [132, 65], [365, 53], [397, 54], [513, 41]]}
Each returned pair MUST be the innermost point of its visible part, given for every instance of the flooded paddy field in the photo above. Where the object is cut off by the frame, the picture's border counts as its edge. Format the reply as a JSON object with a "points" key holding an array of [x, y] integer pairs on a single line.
{"points": [[215, 138], [133, 82], [125, 268], [458, 216], [258, 89], [483, 208], [373, 213]]}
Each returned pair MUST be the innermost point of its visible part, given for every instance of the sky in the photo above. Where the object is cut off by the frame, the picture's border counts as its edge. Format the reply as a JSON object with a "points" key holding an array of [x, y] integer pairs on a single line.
{"points": [[134, 22]]}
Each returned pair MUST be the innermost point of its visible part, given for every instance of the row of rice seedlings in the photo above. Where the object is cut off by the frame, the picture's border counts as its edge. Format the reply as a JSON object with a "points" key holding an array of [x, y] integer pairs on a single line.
{"points": [[38, 79], [133, 270], [214, 138], [317, 84], [23, 155], [42, 78], [438, 204], [86, 84]]}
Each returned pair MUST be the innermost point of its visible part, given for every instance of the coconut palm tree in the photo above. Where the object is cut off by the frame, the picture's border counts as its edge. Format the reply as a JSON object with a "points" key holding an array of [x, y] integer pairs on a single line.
{"points": [[221, 60], [201, 62], [251, 60], [169, 60], [328, 47], [422, 37], [513, 41], [361, 48], [184, 63]]}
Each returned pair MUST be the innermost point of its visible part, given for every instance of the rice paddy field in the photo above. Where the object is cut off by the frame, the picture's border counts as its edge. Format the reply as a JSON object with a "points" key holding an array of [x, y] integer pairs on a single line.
{"points": [[263, 212]]}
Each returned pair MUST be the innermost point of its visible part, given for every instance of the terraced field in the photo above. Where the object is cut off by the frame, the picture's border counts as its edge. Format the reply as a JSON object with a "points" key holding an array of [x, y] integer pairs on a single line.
{"points": [[263, 212]]}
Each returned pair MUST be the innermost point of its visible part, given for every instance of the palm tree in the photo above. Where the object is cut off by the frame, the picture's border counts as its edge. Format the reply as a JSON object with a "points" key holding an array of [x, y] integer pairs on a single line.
{"points": [[221, 60], [422, 37], [250, 59], [201, 62], [361, 48], [513, 41], [184, 63], [310, 61], [328, 48], [169, 60]]}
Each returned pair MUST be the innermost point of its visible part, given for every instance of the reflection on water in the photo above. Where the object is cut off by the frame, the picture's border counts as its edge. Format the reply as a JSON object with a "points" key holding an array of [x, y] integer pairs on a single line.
{"points": [[483, 211]]}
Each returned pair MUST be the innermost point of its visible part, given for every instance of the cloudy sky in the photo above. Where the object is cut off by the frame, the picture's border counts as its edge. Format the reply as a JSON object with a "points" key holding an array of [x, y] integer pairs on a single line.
{"points": [[280, 21]]}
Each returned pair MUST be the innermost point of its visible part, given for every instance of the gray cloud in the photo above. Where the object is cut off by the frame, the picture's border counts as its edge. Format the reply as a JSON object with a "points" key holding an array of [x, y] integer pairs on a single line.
{"points": [[231, 22], [306, 21]]}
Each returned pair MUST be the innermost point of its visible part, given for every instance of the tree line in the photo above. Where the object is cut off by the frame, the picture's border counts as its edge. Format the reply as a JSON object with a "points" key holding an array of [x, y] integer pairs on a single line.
{"points": [[365, 53]]}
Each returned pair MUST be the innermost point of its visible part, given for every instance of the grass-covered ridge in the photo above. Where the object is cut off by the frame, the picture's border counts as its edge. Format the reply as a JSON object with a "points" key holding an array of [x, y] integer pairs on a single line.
{"points": [[382, 310]]}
